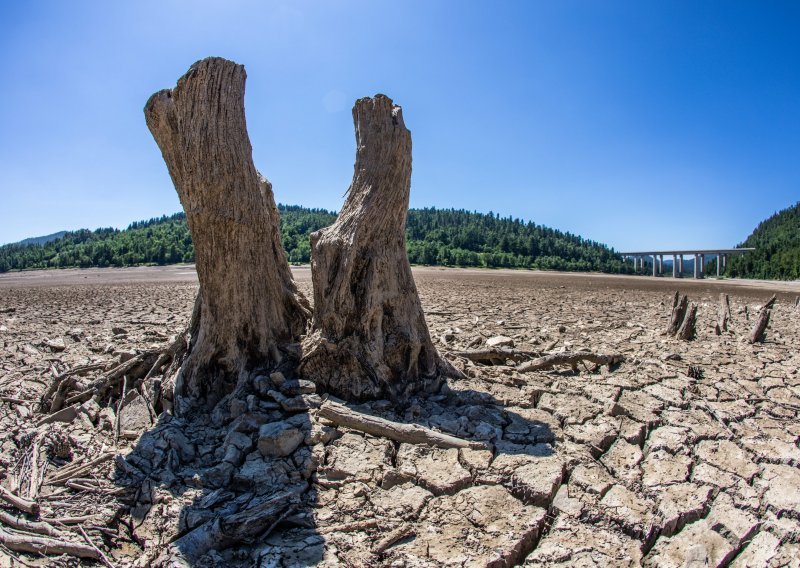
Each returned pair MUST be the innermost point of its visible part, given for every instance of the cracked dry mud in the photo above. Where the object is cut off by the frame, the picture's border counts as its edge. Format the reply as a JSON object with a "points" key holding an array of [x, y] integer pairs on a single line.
{"points": [[637, 465]]}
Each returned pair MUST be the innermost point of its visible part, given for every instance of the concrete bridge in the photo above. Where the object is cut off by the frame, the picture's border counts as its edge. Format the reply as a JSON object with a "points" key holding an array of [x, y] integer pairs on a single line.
{"points": [[657, 256]]}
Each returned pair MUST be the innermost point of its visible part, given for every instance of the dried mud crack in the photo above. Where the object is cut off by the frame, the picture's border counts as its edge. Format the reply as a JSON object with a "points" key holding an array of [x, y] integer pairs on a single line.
{"points": [[580, 464]]}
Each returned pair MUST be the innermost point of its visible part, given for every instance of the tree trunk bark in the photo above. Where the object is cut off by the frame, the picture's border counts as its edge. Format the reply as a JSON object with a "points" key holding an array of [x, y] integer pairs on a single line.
{"points": [[369, 337], [249, 308]]}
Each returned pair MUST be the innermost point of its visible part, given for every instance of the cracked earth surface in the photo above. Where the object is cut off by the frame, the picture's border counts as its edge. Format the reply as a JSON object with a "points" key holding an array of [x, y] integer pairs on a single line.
{"points": [[637, 465]]}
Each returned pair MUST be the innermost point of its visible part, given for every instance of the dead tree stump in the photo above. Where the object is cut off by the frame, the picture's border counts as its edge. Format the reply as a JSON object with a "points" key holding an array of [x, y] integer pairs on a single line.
{"points": [[687, 329], [757, 333], [679, 306], [249, 309], [724, 314], [369, 337]]}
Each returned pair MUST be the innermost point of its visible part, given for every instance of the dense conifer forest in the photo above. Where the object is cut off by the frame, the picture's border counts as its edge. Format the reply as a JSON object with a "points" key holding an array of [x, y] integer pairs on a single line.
{"points": [[444, 237], [777, 244]]}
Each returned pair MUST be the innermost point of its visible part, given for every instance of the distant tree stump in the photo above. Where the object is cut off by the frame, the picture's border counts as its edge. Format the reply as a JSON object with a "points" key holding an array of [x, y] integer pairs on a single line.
{"points": [[679, 307], [724, 314], [757, 333], [687, 330], [369, 337], [248, 310]]}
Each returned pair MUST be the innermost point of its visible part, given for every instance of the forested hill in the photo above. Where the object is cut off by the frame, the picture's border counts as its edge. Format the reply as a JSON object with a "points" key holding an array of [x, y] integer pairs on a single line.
{"points": [[777, 244], [434, 236]]}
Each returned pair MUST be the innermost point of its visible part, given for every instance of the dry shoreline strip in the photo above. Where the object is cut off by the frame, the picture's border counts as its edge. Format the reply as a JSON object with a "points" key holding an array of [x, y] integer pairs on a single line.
{"points": [[186, 273]]}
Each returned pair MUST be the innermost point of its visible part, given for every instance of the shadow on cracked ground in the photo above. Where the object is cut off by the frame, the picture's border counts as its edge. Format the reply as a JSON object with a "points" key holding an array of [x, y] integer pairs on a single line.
{"points": [[263, 481]]}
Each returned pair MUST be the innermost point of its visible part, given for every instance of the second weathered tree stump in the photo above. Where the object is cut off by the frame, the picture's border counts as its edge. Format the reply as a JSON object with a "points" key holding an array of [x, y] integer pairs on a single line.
{"points": [[369, 337]]}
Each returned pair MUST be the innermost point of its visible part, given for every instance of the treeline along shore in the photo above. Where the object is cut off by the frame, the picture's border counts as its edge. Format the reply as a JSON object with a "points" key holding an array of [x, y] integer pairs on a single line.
{"points": [[439, 237]]}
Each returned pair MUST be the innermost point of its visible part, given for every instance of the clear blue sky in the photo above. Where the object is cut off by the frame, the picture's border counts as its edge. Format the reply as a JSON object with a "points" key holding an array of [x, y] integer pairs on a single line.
{"points": [[638, 124]]}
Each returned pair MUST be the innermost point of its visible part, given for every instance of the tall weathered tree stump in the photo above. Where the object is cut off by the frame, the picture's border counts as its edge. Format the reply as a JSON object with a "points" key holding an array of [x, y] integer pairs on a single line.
{"points": [[249, 308], [369, 337]]}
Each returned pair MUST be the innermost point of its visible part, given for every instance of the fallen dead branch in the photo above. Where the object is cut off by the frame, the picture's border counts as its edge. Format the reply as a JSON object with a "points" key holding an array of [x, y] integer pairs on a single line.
{"points": [[495, 356], [25, 525], [571, 359], [49, 397], [399, 432], [394, 536], [103, 558], [24, 505], [72, 471], [25, 542]]}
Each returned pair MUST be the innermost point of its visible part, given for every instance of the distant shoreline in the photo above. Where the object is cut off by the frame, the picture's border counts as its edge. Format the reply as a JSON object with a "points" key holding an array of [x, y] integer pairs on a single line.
{"points": [[186, 274]]}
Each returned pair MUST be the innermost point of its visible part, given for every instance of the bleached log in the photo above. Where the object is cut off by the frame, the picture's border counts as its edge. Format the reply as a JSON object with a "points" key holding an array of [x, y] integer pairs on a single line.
{"points": [[490, 356], [570, 359], [409, 433]]}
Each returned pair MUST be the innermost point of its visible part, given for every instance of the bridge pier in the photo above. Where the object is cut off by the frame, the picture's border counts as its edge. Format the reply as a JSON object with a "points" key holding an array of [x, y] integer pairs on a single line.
{"points": [[655, 266], [674, 265], [696, 267], [661, 264]]}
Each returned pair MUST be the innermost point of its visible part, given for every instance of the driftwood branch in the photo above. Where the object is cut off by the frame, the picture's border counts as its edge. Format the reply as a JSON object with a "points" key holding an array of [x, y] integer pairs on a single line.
{"points": [[24, 542], [570, 359], [25, 525], [24, 505], [397, 431]]}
